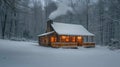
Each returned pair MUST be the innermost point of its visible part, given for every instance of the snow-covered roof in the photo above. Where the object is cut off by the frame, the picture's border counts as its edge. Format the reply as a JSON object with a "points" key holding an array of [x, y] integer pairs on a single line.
{"points": [[46, 33], [70, 29]]}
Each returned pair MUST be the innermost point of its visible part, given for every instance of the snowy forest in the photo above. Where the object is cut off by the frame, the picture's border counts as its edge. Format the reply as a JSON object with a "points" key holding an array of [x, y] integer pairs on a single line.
{"points": [[25, 31], [25, 19]]}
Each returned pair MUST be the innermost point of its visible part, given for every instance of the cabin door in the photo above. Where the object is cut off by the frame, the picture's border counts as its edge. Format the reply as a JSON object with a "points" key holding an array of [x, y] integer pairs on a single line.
{"points": [[80, 40]]}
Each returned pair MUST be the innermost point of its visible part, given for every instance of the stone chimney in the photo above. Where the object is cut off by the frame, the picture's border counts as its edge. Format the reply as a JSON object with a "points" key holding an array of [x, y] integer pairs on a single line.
{"points": [[49, 27]]}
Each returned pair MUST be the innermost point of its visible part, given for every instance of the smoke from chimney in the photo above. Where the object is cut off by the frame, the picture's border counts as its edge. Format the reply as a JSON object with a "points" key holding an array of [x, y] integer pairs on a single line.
{"points": [[62, 9]]}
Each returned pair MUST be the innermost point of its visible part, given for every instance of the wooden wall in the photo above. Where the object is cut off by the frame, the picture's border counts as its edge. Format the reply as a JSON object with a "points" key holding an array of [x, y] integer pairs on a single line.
{"points": [[55, 40]]}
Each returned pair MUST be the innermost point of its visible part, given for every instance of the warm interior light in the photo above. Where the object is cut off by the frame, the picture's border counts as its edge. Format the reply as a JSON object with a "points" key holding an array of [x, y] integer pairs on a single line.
{"points": [[73, 39], [67, 39], [79, 38], [53, 39], [63, 37]]}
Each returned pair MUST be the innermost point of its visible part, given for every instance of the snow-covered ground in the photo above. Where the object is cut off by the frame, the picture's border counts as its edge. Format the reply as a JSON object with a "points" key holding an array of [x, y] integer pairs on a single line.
{"points": [[28, 54]]}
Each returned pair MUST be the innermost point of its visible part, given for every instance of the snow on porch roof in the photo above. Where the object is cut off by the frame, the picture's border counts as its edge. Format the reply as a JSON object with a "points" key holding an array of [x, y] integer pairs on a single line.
{"points": [[70, 29], [46, 34]]}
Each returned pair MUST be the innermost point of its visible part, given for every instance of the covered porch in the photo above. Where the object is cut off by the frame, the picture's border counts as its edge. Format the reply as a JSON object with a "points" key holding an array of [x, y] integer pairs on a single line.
{"points": [[71, 41]]}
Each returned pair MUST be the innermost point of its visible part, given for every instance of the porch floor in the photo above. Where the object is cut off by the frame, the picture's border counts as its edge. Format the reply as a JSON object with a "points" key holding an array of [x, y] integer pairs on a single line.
{"points": [[71, 44]]}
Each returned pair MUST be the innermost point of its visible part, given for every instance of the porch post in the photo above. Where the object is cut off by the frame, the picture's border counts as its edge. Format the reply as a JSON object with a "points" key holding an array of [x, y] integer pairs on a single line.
{"points": [[92, 38], [87, 39], [58, 38]]}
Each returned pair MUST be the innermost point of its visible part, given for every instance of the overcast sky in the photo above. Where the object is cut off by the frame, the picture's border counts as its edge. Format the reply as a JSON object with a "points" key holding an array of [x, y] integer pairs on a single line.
{"points": [[64, 1]]}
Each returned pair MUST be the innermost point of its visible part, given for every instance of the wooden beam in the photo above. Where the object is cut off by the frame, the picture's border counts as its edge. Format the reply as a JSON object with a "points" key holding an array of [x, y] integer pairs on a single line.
{"points": [[92, 38]]}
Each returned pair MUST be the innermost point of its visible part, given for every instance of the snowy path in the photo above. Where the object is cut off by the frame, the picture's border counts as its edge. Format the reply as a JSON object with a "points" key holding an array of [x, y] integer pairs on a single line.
{"points": [[27, 54]]}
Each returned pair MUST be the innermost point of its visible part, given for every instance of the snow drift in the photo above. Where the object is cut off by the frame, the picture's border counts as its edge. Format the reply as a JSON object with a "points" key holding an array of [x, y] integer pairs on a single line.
{"points": [[28, 54]]}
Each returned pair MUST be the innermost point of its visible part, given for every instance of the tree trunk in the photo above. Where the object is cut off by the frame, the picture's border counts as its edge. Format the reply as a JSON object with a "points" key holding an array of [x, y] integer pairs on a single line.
{"points": [[4, 26]]}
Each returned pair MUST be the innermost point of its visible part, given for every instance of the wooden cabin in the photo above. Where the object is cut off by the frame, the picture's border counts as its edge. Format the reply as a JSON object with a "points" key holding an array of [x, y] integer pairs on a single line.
{"points": [[65, 35]]}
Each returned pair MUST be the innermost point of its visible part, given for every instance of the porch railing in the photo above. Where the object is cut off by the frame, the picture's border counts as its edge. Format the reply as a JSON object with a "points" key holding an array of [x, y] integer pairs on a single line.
{"points": [[72, 44], [89, 44], [64, 44]]}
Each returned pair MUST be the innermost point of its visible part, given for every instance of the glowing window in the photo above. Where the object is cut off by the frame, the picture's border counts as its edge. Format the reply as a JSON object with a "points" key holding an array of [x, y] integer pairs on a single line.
{"points": [[53, 39], [67, 39], [63, 37], [73, 39], [79, 38]]}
